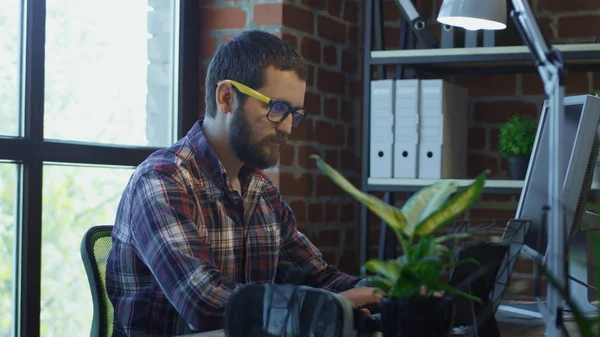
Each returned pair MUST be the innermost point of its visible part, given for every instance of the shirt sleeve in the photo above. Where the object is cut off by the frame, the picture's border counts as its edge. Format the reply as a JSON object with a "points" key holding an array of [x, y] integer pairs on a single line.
{"points": [[299, 252], [168, 241]]}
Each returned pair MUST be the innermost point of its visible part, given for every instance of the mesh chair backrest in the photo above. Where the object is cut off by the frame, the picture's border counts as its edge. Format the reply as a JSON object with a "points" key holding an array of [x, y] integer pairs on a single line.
{"points": [[96, 245], [102, 247]]}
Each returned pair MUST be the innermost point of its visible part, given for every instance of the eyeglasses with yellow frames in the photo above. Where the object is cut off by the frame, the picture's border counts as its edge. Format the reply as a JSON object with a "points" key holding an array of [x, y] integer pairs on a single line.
{"points": [[278, 111]]}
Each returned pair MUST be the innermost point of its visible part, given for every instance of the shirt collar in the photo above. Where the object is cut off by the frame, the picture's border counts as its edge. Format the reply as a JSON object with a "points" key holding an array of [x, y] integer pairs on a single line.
{"points": [[210, 165]]}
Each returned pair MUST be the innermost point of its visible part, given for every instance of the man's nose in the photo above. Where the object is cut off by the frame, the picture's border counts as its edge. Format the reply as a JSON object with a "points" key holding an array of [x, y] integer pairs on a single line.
{"points": [[286, 125]]}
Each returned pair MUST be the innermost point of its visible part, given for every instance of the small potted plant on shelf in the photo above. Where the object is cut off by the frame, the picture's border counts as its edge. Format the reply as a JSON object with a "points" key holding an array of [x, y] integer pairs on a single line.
{"points": [[516, 140], [410, 282]]}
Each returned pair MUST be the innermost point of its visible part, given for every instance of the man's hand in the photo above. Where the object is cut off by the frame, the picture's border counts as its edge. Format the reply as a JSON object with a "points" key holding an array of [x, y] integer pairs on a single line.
{"points": [[362, 296], [436, 294]]}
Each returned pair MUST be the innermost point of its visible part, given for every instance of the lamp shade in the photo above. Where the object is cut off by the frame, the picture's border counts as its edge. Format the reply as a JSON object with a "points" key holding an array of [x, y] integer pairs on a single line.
{"points": [[474, 14]]}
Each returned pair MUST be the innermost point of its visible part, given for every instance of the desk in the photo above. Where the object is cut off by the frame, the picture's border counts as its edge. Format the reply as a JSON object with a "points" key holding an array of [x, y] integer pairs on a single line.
{"points": [[221, 333], [216, 333], [511, 325]]}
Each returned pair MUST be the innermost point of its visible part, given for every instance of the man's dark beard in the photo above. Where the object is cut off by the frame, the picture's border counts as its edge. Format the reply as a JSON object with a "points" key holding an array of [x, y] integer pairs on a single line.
{"points": [[256, 155]]}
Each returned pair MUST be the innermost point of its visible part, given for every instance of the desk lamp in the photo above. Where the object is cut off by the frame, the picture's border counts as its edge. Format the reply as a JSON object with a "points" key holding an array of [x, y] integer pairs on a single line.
{"points": [[491, 15]]}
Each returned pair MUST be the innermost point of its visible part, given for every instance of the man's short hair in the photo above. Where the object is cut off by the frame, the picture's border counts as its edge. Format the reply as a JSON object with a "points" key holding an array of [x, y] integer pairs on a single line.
{"points": [[245, 59]]}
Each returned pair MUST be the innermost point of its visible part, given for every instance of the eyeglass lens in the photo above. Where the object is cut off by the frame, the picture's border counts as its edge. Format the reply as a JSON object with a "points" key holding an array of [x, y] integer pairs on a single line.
{"points": [[279, 111]]}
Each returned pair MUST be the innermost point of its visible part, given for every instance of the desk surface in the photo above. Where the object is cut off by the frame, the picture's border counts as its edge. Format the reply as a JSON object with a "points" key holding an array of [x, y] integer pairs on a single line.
{"points": [[221, 333], [216, 333], [510, 324]]}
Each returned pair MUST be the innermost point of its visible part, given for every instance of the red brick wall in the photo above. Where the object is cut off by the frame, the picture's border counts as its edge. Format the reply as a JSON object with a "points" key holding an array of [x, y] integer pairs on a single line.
{"points": [[329, 34]]}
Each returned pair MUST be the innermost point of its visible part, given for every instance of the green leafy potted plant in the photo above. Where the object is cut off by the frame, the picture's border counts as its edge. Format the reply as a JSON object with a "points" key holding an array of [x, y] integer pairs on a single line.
{"points": [[516, 140], [409, 282]]}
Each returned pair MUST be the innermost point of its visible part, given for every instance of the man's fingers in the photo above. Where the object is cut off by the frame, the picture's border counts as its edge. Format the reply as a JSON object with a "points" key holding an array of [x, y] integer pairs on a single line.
{"points": [[365, 311], [375, 293], [436, 294]]}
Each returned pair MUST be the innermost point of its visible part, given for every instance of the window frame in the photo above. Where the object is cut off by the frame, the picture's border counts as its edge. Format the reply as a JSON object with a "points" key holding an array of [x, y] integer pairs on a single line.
{"points": [[31, 151]]}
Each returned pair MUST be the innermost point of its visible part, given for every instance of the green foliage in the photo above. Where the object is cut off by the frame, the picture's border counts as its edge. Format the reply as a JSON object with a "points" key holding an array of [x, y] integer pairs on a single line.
{"points": [[517, 136], [425, 257], [7, 232], [74, 199]]}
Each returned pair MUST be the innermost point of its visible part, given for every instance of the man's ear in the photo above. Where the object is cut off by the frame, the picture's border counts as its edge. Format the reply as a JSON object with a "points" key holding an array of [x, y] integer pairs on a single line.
{"points": [[225, 95]]}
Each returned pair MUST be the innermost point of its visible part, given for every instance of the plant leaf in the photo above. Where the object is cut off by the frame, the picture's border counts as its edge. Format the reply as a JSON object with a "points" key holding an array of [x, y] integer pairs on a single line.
{"points": [[381, 283], [426, 201], [454, 207], [402, 260], [454, 236], [407, 282], [425, 247], [429, 273], [465, 260], [390, 214], [452, 290], [387, 269], [444, 251]]}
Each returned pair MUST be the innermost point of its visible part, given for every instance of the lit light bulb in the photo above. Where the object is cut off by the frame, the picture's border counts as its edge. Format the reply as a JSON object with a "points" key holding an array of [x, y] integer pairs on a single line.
{"points": [[471, 24]]}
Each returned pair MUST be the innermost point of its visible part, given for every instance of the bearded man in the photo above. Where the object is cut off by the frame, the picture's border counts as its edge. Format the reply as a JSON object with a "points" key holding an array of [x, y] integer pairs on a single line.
{"points": [[200, 218]]}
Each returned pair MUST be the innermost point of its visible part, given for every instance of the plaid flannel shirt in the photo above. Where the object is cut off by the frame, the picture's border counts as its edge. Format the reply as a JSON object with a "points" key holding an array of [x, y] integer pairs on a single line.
{"points": [[183, 240]]}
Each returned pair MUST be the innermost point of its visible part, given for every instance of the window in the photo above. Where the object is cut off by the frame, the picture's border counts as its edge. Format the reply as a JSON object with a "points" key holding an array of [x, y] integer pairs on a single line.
{"points": [[110, 80], [9, 67], [88, 89], [8, 219], [75, 198]]}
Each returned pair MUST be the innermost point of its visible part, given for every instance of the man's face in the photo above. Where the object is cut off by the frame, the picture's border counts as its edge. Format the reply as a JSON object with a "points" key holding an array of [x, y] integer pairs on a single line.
{"points": [[256, 140]]}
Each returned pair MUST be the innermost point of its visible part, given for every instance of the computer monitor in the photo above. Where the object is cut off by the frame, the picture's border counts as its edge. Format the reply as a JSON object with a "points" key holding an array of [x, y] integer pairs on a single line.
{"points": [[580, 144]]}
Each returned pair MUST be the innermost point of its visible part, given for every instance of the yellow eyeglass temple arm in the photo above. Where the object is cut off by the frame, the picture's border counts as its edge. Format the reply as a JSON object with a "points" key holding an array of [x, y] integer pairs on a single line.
{"points": [[248, 91]]}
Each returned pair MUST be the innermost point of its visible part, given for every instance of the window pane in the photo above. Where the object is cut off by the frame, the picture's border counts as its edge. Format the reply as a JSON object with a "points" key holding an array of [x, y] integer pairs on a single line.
{"points": [[75, 198], [8, 195], [10, 52], [109, 71]]}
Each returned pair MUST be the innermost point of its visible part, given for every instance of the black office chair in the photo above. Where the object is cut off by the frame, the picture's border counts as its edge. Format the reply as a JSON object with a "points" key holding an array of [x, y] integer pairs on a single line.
{"points": [[95, 246]]}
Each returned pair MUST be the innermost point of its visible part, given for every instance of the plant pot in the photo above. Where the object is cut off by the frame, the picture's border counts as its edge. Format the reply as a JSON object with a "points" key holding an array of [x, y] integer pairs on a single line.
{"points": [[517, 167], [431, 317]]}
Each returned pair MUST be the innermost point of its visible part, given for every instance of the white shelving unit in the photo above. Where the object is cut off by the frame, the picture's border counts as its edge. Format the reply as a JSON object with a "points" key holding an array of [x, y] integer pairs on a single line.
{"points": [[388, 184], [507, 50], [496, 57], [420, 183]]}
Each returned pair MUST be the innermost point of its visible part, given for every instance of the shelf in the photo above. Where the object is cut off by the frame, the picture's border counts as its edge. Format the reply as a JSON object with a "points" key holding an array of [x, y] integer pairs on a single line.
{"points": [[574, 55], [411, 185], [398, 184]]}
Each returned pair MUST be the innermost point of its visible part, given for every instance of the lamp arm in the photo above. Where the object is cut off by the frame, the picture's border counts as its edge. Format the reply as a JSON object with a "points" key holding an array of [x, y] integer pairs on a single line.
{"points": [[550, 65], [547, 58]]}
